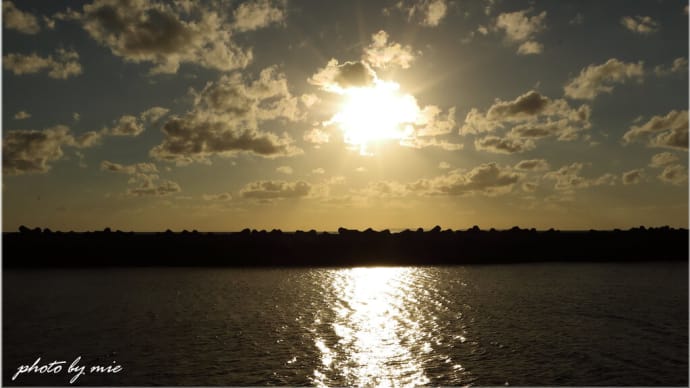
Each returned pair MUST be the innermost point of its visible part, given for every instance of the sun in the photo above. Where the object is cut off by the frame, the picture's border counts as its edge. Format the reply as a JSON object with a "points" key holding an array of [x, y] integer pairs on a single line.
{"points": [[376, 113]]}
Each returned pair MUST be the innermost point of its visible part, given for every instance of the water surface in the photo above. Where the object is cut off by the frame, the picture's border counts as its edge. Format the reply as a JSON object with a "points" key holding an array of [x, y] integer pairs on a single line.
{"points": [[527, 324]]}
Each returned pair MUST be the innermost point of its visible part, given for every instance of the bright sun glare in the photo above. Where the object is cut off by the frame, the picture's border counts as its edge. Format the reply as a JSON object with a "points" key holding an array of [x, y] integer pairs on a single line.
{"points": [[376, 113]]}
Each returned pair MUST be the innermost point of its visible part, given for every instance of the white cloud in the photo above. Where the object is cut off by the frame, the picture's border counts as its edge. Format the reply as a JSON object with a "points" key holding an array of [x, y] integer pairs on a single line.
{"points": [[287, 170], [597, 79], [640, 24], [18, 20], [256, 14], [318, 171], [520, 29], [164, 34], [633, 177], [154, 114], [444, 165], [670, 131], [382, 54], [316, 136], [62, 65], [127, 125], [427, 13], [21, 115], [76, 116]]}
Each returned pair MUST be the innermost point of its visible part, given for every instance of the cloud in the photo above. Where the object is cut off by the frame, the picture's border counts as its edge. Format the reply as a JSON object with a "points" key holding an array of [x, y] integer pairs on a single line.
{"points": [[127, 125], [217, 197], [486, 179], [152, 115], [382, 54], [423, 142], [287, 170], [530, 47], [62, 65], [256, 14], [662, 159], [316, 136], [532, 165], [640, 24], [674, 174], [633, 177], [148, 187], [444, 165], [21, 115], [137, 168], [520, 29], [678, 66], [318, 171], [670, 131], [267, 190], [568, 178], [427, 13], [432, 121], [164, 34], [530, 116], [225, 120], [76, 116], [15, 19], [334, 77], [30, 151], [503, 145], [597, 79]]}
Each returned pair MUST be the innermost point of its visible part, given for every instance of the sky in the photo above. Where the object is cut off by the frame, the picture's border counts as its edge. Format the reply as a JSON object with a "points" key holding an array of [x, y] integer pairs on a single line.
{"points": [[217, 116]]}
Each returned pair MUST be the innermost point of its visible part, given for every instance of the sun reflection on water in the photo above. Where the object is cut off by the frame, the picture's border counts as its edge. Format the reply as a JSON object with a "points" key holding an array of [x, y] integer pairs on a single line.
{"points": [[373, 333]]}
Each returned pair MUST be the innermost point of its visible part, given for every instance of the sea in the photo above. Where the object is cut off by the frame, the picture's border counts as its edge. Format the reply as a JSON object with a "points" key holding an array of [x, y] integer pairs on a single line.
{"points": [[530, 324]]}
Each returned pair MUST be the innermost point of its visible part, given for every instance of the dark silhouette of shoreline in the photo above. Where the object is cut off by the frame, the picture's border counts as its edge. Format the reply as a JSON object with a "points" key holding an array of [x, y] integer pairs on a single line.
{"points": [[36, 248]]}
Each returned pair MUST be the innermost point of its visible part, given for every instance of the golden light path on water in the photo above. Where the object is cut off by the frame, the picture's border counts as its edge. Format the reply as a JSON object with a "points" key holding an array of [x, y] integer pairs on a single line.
{"points": [[375, 339]]}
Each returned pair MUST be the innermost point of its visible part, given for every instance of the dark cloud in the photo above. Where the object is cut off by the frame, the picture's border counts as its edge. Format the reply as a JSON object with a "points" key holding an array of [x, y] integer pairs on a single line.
{"points": [[164, 34], [487, 179], [633, 177], [335, 77], [30, 151], [675, 174], [568, 178], [503, 145], [532, 165]]}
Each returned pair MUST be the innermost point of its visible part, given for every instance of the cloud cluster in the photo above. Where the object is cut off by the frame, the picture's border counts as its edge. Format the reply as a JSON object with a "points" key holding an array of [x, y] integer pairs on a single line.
{"points": [[269, 190], [678, 66], [225, 120], [675, 174], [663, 159], [427, 13], [532, 165], [256, 14], [62, 65], [15, 19], [528, 117], [596, 79], [640, 24], [336, 77], [217, 197], [669, 131], [486, 179], [21, 115], [144, 178], [30, 151], [568, 178], [382, 54], [129, 125], [520, 29], [633, 177], [147, 31]]}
